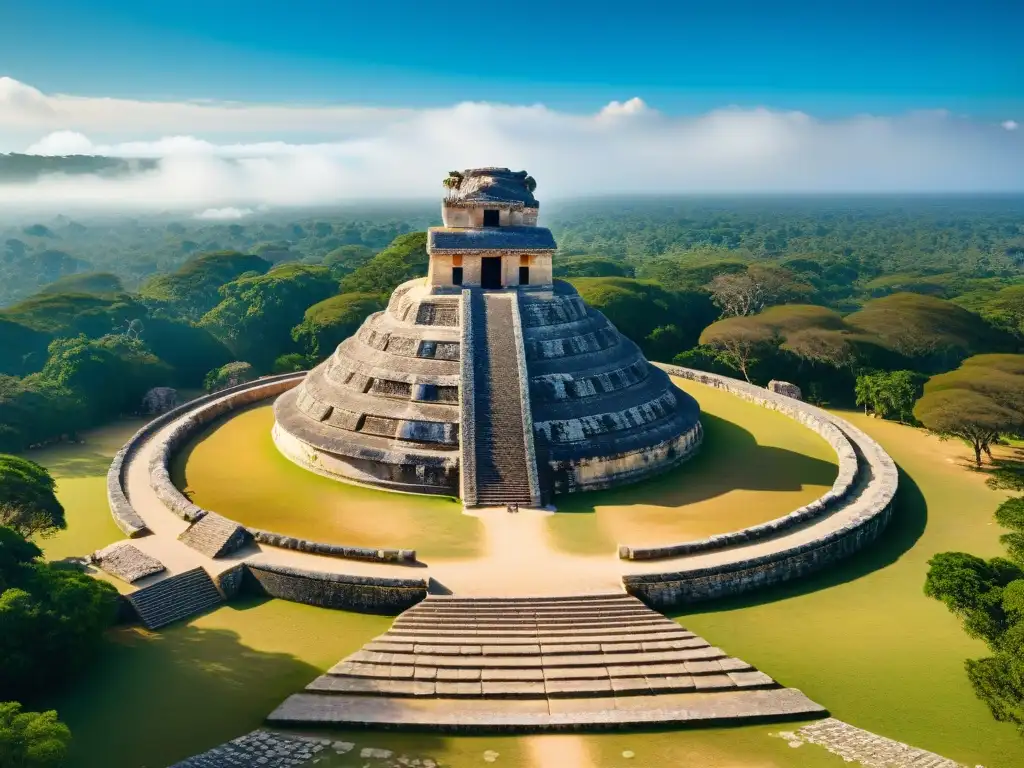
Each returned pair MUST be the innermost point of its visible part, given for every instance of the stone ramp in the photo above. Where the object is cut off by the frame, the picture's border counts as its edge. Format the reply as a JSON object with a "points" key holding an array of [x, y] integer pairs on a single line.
{"points": [[526, 664], [215, 536], [127, 562], [502, 474], [175, 598]]}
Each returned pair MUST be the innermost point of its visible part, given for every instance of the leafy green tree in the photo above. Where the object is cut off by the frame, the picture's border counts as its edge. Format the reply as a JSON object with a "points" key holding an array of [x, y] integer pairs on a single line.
{"points": [[988, 598], [290, 363], [889, 393], [935, 332], [22, 349], [977, 403], [51, 619], [28, 503], [740, 341], [256, 316], [326, 324], [192, 290], [110, 374], [31, 739], [347, 258], [96, 283], [228, 375], [403, 260]]}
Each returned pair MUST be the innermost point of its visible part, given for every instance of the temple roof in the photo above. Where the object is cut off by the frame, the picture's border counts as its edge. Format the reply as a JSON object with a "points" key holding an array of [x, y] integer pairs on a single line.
{"points": [[490, 238], [493, 185]]}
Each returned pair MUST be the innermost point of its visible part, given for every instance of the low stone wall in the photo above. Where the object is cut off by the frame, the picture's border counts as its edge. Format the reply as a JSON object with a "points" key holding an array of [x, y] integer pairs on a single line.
{"points": [[524, 403], [864, 519], [199, 413], [332, 590], [812, 418], [333, 550], [127, 519]]}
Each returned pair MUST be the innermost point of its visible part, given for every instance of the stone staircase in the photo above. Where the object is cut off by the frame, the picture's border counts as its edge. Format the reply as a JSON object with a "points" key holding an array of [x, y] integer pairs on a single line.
{"points": [[502, 475], [214, 535], [597, 661], [175, 598]]}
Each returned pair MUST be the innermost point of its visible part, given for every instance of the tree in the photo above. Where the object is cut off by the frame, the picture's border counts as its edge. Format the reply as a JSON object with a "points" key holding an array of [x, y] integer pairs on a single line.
{"points": [[740, 341], [888, 393], [28, 503], [31, 739], [988, 598], [228, 375], [762, 285], [326, 324], [347, 258], [290, 363], [192, 290], [257, 313], [51, 618], [937, 332], [977, 403], [111, 374], [405, 258]]}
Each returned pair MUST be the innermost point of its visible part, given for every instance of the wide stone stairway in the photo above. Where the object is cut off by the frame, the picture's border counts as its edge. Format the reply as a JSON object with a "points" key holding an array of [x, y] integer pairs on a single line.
{"points": [[527, 664], [501, 460]]}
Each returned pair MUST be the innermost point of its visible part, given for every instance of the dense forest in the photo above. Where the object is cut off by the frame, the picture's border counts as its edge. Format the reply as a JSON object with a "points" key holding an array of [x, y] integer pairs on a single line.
{"points": [[823, 292]]}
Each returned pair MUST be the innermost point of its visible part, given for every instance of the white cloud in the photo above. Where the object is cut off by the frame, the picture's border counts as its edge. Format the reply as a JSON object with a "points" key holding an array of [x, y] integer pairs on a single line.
{"points": [[219, 156], [224, 214], [1010, 125]]}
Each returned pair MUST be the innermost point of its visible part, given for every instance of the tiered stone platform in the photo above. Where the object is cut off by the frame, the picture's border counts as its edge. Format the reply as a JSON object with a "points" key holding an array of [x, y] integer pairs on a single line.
{"points": [[528, 664]]}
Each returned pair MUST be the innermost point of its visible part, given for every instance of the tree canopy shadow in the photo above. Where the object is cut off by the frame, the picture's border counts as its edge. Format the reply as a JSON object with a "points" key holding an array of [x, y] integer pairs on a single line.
{"points": [[908, 522], [153, 698], [730, 459]]}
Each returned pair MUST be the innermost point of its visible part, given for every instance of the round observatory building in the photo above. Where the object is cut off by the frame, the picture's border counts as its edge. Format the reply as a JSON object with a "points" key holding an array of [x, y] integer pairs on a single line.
{"points": [[487, 379]]}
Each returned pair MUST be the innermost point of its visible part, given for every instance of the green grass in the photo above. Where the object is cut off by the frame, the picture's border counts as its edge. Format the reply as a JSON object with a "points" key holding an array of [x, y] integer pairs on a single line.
{"points": [[235, 469], [861, 639], [755, 465]]}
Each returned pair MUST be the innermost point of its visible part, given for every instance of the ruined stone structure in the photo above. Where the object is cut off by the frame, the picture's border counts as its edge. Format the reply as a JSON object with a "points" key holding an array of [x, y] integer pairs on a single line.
{"points": [[488, 379]]}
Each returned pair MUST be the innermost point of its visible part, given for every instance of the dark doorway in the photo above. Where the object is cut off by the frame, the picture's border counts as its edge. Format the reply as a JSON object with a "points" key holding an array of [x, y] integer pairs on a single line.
{"points": [[491, 218], [524, 275], [456, 275], [490, 272]]}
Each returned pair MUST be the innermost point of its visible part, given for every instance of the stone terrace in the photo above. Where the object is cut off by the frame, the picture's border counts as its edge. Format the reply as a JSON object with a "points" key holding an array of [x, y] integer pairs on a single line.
{"points": [[596, 661]]}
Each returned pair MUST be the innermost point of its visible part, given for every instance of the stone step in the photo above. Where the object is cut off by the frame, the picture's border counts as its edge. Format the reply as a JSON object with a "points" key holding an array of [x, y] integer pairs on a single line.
{"points": [[175, 598], [439, 601], [643, 668], [618, 645], [682, 656], [653, 629], [448, 714]]}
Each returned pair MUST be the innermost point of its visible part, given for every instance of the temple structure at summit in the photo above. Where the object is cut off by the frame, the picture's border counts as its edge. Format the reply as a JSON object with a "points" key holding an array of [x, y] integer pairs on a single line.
{"points": [[488, 379]]}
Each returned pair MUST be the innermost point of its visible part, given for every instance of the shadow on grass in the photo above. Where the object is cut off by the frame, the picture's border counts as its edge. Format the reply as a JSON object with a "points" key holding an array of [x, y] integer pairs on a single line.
{"points": [[908, 522], [730, 459], [153, 698]]}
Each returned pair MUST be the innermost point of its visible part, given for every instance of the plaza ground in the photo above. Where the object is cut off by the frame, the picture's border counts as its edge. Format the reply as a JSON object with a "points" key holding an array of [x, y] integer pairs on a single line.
{"points": [[861, 638]]}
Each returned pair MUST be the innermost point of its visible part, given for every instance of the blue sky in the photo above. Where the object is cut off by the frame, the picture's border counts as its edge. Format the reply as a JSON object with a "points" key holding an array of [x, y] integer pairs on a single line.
{"points": [[827, 58]]}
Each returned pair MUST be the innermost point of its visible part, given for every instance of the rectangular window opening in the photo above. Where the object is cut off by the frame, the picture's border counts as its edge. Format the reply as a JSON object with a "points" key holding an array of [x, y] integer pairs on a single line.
{"points": [[524, 275], [456, 275], [492, 218]]}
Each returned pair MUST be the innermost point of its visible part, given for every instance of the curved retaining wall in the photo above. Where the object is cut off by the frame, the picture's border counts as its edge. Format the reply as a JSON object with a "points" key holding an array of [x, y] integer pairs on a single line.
{"points": [[127, 519], [200, 412], [865, 517], [812, 418], [331, 590]]}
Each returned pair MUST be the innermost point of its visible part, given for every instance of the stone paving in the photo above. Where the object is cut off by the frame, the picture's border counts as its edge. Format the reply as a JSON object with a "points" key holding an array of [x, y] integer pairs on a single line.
{"points": [[870, 750]]}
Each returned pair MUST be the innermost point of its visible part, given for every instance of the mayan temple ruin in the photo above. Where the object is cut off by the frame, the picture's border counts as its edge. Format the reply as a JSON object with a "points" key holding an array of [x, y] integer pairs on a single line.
{"points": [[488, 379]]}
